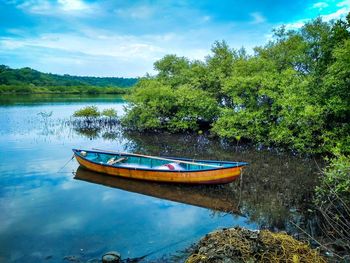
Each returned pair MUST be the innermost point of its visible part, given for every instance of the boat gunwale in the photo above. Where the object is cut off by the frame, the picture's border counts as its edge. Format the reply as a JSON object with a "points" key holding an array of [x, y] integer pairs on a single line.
{"points": [[242, 164]]}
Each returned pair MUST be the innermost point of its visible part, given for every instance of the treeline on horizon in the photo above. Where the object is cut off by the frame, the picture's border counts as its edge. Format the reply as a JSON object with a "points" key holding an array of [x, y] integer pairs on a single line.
{"points": [[27, 80], [293, 92]]}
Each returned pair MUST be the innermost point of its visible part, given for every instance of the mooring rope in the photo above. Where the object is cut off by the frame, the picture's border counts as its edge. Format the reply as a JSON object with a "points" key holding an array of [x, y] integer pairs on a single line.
{"points": [[65, 164]]}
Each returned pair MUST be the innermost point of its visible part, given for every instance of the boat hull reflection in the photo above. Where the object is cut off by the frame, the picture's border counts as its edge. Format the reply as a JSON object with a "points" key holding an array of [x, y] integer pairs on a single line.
{"points": [[188, 194]]}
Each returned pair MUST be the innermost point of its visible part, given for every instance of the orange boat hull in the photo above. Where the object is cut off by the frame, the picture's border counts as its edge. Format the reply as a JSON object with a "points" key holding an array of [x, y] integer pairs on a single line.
{"points": [[215, 176]]}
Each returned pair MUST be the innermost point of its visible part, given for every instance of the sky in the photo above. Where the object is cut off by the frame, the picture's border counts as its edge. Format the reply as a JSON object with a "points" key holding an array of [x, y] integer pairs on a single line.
{"points": [[121, 38]]}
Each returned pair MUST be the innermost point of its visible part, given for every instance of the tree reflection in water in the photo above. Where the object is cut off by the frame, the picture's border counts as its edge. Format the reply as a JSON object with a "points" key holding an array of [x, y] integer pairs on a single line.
{"points": [[276, 187]]}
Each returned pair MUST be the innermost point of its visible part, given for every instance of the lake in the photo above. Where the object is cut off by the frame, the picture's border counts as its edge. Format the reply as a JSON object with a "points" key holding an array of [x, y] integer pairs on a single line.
{"points": [[53, 211]]}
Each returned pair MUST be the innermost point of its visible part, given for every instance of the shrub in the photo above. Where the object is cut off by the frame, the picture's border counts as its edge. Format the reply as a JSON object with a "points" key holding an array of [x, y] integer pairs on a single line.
{"points": [[158, 106], [87, 112], [110, 113], [335, 181], [333, 202]]}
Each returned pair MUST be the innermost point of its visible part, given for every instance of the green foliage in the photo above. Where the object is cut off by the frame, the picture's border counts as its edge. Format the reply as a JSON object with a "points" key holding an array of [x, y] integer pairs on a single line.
{"points": [[27, 80], [172, 69], [222, 59], [154, 105], [87, 112], [89, 121], [150, 103], [27, 76], [192, 107], [93, 112], [91, 90], [110, 113], [332, 200], [293, 92], [335, 182]]}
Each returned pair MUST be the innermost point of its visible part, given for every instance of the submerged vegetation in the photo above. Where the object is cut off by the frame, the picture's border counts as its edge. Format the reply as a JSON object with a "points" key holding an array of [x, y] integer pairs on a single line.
{"points": [[294, 92], [90, 121], [91, 112], [88, 112]]}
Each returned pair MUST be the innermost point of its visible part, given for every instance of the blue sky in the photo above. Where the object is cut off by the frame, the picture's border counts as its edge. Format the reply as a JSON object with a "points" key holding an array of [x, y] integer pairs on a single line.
{"points": [[124, 38]]}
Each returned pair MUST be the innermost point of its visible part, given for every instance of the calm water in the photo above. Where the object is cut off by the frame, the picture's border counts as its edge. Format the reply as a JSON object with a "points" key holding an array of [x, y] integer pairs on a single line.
{"points": [[52, 214]]}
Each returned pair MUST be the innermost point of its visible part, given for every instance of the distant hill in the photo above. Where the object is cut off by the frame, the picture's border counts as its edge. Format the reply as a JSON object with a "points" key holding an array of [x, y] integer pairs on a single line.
{"points": [[28, 76]]}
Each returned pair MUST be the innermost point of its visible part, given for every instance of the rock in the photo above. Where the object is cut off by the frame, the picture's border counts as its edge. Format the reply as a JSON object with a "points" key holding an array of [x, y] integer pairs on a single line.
{"points": [[254, 235], [111, 257], [203, 250], [329, 254]]}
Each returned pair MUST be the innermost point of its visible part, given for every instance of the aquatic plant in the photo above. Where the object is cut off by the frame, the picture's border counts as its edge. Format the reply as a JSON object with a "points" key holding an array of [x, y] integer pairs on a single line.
{"points": [[91, 123], [88, 112], [110, 113], [333, 203], [45, 115]]}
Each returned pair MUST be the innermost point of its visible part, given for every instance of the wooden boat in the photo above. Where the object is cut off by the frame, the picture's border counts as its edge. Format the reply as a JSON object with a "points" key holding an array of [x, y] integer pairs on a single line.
{"points": [[196, 195], [159, 169]]}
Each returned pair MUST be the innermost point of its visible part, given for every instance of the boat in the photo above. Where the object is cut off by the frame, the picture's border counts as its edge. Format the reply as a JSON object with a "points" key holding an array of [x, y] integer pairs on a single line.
{"points": [[159, 169], [195, 195]]}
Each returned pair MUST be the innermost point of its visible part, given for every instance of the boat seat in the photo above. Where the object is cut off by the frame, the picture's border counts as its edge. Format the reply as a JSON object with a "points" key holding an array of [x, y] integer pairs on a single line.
{"points": [[114, 161]]}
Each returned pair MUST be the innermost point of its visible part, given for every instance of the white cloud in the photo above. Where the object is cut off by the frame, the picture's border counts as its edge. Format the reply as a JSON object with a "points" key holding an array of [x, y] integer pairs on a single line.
{"points": [[101, 52], [68, 222], [94, 52], [51, 8], [320, 5], [136, 12], [121, 46], [344, 3], [341, 13], [72, 5], [36, 6], [258, 18]]}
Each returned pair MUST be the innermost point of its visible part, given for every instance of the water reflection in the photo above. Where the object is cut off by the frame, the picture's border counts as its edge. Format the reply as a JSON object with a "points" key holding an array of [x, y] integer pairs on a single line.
{"points": [[91, 133], [97, 129], [202, 196], [270, 193], [41, 99], [46, 215], [50, 214], [276, 188]]}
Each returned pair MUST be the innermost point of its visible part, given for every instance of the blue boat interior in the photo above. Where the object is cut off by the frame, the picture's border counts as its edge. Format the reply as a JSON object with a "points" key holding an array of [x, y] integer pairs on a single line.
{"points": [[139, 162]]}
